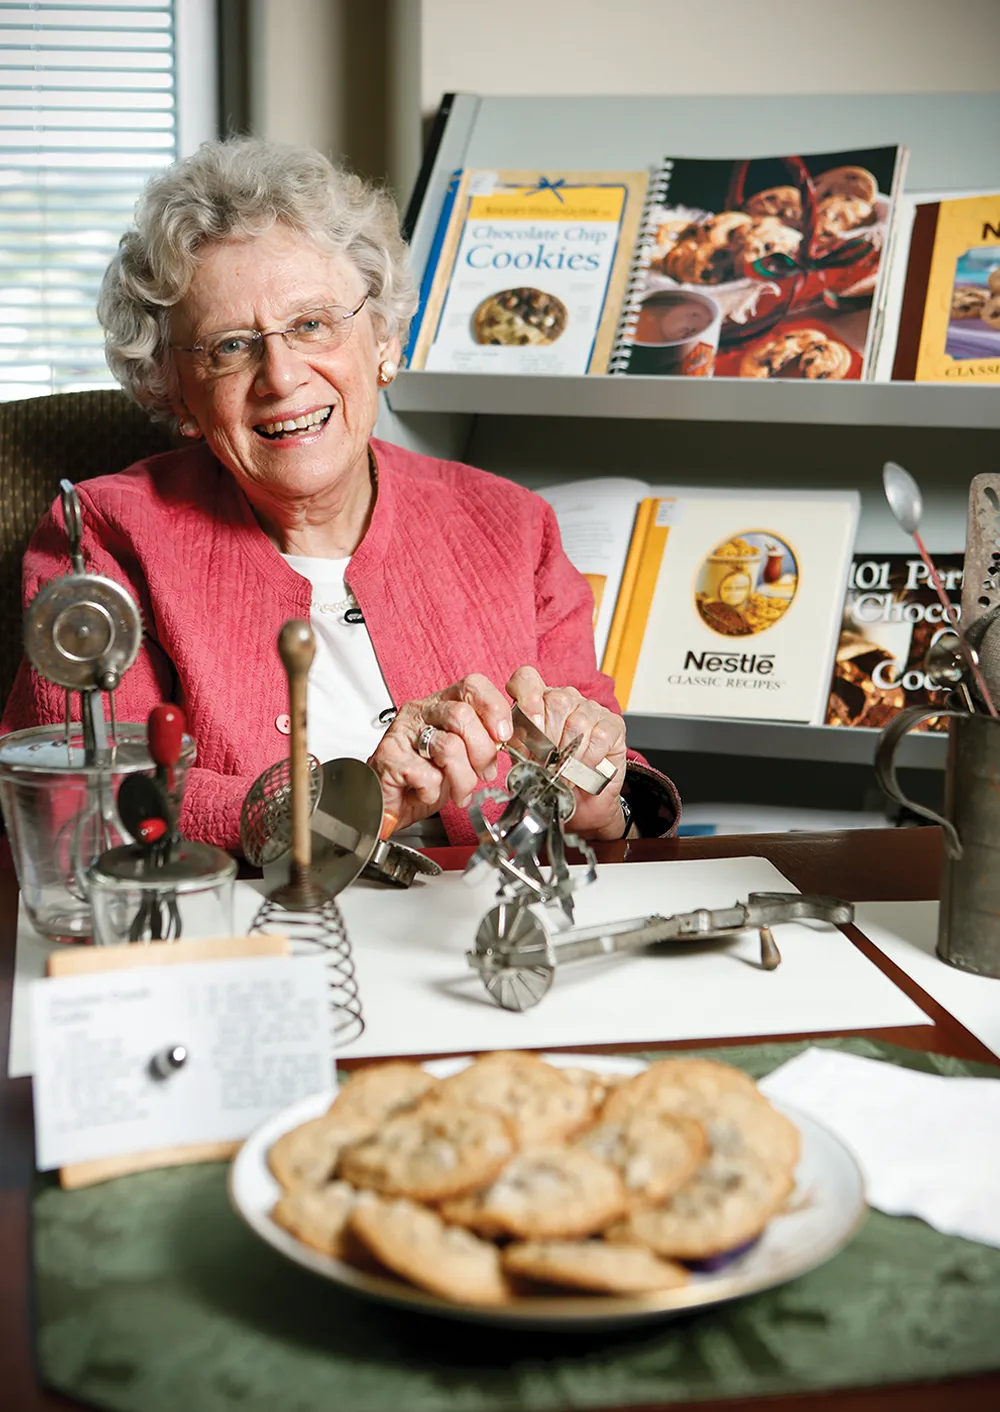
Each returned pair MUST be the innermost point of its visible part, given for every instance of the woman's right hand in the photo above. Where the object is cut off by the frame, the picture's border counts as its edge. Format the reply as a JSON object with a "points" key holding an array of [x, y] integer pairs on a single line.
{"points": [[437, 750]]}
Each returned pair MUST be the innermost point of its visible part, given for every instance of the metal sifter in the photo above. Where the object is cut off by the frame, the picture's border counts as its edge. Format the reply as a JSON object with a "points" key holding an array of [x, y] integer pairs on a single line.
{"points": [[266, 815], [346, 824]]}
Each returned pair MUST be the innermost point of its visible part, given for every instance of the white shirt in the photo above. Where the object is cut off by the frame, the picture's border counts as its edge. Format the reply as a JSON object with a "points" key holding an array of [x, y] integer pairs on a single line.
{"points": [[347, 692]]}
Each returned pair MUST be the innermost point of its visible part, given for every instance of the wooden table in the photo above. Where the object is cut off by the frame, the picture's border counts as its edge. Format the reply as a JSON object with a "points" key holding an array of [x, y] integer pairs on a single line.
{"points": [[860, 865]]}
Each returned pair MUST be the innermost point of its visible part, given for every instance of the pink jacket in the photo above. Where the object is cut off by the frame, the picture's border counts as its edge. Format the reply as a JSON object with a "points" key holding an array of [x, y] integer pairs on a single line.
{"points": [[460, 571]]}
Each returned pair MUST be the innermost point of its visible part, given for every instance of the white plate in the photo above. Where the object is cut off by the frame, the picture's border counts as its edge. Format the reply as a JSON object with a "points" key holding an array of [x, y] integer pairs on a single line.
{"points": [[824, 1211]]}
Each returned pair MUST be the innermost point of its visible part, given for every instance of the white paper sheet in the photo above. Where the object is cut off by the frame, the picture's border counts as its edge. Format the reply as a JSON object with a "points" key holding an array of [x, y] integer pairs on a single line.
{"points": [[929, 1146], [256, 1031], [420, 997], [907, 933]]}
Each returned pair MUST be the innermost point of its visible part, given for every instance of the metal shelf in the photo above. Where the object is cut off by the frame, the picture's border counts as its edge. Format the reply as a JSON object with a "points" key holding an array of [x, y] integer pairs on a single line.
{"points": [[779, 740], [899, 404]]}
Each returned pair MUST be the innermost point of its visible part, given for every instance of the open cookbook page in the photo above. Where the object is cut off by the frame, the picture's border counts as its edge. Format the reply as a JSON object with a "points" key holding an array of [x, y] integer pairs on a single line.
{"points": [[596, 518], [770, 267]]}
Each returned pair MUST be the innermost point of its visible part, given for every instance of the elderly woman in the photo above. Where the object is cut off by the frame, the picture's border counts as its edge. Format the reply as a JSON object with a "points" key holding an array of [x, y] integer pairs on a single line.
{"points": [[262, 299]]}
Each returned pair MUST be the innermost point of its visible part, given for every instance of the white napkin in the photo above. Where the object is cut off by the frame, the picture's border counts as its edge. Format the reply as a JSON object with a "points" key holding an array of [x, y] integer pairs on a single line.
{"points": [[928, 1145]]}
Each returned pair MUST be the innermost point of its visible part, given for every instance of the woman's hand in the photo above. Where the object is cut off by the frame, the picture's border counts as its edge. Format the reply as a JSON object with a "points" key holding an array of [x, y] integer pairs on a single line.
{"points": [[561, 712], [438, 749]]}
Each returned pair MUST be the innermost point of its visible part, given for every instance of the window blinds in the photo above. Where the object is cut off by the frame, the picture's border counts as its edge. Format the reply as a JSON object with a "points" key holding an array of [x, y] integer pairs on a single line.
{"points": [[87, 113]]}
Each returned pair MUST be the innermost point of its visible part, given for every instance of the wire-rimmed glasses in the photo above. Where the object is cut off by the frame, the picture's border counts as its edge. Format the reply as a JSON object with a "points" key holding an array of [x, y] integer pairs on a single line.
{"points": [[233, 350]]}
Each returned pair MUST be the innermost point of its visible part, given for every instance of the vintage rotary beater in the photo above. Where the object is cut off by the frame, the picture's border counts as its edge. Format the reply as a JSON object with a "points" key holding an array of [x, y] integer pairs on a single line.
{"points": [[82, 632], [521, 940]]}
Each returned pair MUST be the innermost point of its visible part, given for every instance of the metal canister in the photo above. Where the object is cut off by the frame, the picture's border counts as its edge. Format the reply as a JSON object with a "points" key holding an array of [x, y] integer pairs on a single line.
{"points": [[969, 919]]}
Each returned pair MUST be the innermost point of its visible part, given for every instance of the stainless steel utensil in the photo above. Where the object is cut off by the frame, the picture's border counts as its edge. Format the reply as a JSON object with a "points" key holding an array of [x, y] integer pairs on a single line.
{"points": [[346, 822], [945, 666], [82, 632], [266, 815], [536, 744], [517, 954]]}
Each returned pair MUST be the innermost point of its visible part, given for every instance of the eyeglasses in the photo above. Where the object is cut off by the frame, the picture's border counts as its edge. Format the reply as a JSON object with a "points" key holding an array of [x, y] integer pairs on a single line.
{"points": [[232, 351]]}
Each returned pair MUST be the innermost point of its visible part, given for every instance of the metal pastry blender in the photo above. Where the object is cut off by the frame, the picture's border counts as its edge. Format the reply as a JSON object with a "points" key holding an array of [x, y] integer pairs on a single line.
{"points": [[517, 953]]}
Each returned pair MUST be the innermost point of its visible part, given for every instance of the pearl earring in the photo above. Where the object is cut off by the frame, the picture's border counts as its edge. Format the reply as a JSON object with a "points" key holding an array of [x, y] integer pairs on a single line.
{"points": [[189, 428], [386, 371]]}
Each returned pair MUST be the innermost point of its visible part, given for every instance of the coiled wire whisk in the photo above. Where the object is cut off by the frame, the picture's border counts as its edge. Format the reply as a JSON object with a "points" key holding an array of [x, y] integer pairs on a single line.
{"points": [[320, 929]]}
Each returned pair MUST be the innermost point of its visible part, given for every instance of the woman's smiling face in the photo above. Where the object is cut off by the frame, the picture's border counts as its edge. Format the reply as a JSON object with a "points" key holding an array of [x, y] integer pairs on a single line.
{"points": [[264, 283]]}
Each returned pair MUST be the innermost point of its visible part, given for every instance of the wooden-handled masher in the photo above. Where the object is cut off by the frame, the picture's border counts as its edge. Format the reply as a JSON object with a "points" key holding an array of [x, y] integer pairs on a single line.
{"points": [[301, 909], [297, 648]]}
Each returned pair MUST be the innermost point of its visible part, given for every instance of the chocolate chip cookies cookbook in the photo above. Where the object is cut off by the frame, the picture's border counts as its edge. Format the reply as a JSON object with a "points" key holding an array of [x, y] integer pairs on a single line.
{"points": [[949, 324], [763, 268], [891, 617], [727, 602], [529, 273]]}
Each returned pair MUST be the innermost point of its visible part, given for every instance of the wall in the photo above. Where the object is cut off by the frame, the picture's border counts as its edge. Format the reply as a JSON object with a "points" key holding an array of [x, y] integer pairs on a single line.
{"points": [[361, 78], [725, 46], [317, 74]]}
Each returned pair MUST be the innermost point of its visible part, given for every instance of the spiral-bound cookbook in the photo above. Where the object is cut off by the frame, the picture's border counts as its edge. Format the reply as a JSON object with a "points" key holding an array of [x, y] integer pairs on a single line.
{"points": [[528, 271], [770, 267]]}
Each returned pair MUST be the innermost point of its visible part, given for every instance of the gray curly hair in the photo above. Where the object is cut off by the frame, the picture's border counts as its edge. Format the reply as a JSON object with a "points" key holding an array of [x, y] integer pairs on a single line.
{"points": [[240, 187]]}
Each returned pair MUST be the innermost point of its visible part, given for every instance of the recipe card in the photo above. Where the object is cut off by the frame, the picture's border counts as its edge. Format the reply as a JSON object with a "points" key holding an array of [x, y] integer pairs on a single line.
{"points": [[252, 1035]]}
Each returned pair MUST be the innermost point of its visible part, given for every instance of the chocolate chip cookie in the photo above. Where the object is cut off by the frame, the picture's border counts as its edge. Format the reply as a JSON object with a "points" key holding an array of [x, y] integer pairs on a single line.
{"points": [[801, 353], [784, 202], [847, 181], [967, 301], [515, 317], [990, 312], [593, 1265]]}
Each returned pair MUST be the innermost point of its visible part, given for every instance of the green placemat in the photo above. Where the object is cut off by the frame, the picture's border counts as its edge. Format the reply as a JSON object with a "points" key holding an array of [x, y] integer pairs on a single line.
{"points": [[152, 1296]]}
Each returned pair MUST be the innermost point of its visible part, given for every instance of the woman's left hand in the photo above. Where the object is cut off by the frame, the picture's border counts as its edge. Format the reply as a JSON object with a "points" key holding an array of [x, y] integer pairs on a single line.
{"points": [[562, 712]]}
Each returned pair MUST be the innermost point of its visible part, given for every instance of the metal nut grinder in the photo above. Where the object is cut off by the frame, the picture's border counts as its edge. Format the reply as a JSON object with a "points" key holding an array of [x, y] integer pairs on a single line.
{"points": [[523, 939]]}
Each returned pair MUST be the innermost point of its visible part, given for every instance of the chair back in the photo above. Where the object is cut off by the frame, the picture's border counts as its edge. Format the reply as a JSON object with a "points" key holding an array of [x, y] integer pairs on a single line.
{"points": [[71, 435]]}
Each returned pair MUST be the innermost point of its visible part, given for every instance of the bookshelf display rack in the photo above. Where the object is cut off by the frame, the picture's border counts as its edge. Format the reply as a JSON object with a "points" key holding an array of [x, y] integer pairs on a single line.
{"points": [[498, 422]]}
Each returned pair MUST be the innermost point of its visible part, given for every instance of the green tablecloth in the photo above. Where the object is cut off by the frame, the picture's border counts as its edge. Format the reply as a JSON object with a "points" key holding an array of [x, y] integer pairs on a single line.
{"points": [[152, 1296]]}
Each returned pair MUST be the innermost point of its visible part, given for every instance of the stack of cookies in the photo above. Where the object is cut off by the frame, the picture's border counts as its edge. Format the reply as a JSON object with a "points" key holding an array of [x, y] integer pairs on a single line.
{"points": [[514, 1177]]}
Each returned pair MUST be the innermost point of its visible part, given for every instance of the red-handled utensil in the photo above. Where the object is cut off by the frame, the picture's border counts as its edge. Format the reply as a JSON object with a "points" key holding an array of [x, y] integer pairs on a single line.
{"points": [[165, 733]]}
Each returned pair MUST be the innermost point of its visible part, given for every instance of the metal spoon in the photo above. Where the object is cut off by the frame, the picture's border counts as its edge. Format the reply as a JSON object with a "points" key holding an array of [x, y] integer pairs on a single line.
{"points": [[907, 506]]}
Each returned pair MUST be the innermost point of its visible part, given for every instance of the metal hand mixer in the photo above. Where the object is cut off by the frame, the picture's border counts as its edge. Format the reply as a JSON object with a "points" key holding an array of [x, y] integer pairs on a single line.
{"points": [[82, 632]]}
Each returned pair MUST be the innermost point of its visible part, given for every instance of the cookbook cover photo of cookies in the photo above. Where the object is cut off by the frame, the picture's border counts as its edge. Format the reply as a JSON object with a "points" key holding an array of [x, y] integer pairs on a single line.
{"points": [[949, 324], [530, 273], [891, 617], [731, 603], [762, 268]]}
